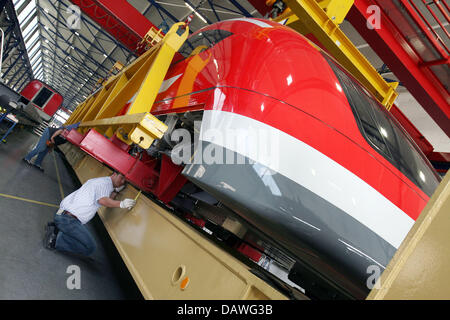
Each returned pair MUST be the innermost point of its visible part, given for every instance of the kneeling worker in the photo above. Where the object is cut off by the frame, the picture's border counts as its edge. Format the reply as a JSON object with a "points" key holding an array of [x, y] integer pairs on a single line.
{"points": [[67, 232]]}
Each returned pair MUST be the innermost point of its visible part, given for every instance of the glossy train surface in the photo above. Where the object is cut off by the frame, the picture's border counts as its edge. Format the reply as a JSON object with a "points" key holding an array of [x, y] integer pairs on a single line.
{"points": [[340, 183]]}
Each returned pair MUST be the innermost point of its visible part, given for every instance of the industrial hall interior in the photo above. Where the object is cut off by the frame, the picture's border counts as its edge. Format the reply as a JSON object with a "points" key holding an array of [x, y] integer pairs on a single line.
{"points": [[224, 150]]}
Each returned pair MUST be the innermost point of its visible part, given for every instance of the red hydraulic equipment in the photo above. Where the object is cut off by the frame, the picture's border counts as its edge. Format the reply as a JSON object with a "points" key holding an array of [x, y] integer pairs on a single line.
{"points": [[119, 18], [140, 170]]}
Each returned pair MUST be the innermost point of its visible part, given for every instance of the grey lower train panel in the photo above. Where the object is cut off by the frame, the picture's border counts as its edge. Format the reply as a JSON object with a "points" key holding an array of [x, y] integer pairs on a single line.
{"points": [[330, 241]]}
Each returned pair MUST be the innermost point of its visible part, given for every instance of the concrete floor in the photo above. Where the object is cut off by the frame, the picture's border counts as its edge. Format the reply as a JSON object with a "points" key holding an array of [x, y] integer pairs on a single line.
{"points": [[27, 269]]}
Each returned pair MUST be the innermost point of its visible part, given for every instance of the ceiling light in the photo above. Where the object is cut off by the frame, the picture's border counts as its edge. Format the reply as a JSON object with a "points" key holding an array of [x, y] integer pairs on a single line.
{"points": [[77, 33]]}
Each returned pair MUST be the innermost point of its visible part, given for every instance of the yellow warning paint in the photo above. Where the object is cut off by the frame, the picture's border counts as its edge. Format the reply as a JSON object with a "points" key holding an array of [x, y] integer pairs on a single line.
{"points": [[29, 200], [135, 199]]}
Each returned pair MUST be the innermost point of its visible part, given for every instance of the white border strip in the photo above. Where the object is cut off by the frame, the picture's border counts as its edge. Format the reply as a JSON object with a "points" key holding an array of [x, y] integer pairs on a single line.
{"points": [[316, 172]]}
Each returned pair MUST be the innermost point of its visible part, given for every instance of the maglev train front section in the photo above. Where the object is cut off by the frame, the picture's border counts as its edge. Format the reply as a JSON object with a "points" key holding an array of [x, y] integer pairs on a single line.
{"points": [[298, 149]]}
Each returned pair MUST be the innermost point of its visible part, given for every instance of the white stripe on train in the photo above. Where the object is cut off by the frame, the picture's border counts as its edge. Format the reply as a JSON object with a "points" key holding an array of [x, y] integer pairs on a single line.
{"points": [[313, 170]]}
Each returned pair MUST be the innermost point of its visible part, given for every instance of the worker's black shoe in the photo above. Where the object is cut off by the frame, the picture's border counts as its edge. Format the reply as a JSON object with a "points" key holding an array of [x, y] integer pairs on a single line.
{"points": [[50, 237], [27, 161], [53, 225]]}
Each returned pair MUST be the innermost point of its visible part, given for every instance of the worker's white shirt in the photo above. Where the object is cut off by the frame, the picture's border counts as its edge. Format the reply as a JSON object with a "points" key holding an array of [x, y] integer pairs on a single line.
{"points": [[83, 203]]}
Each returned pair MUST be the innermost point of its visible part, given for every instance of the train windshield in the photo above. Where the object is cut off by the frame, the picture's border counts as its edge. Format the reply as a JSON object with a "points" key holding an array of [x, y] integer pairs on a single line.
{"points": [[41, 99], [385, 134]]}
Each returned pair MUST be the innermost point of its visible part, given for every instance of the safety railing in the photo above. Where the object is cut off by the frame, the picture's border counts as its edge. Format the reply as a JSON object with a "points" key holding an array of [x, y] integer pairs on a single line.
{"points": [[428, 25]]}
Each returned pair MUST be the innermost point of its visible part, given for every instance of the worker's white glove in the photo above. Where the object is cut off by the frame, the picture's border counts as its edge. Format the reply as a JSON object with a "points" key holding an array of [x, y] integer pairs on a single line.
{"points": [[127, 204], [118, 189]]}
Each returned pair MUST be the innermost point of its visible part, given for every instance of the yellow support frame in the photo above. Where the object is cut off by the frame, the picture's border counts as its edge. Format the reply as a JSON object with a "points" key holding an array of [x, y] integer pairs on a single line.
{"points": [[311, 17], [137, 84], [336, 9], [140, 128], [153, 37]]}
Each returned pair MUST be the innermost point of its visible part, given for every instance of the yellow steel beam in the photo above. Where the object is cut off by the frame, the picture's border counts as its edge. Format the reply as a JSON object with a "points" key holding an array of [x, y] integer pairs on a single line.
{"points": [[83, 108], [144, 76], [140, 128], [312, 18], [117, 85], [114, 88], [96, 105], [336, 10], [133, 77], [76, 112], [155, 76], [153, 37], [139, 84]]}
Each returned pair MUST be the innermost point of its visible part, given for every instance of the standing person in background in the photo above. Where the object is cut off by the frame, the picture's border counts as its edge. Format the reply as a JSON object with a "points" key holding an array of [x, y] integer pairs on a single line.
{"points": [[50, 138]]}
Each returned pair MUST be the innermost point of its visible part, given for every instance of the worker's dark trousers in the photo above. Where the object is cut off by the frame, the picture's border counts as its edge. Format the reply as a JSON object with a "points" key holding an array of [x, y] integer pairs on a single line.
{"points": [[41, 149], [73, 236]]}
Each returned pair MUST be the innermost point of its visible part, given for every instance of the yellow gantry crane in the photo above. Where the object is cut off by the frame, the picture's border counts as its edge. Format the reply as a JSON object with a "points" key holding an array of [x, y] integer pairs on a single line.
{"points": [[137, 84], [322, 18]]}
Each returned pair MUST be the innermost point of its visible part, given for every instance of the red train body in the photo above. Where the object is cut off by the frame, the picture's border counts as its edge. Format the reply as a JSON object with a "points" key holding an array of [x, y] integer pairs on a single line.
{"points": [[341, 183], [349, 182]]}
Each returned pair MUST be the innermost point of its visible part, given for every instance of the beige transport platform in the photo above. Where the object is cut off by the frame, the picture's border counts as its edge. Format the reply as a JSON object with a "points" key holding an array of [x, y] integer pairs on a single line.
{"points": [[167, 258], [420, 267]]}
